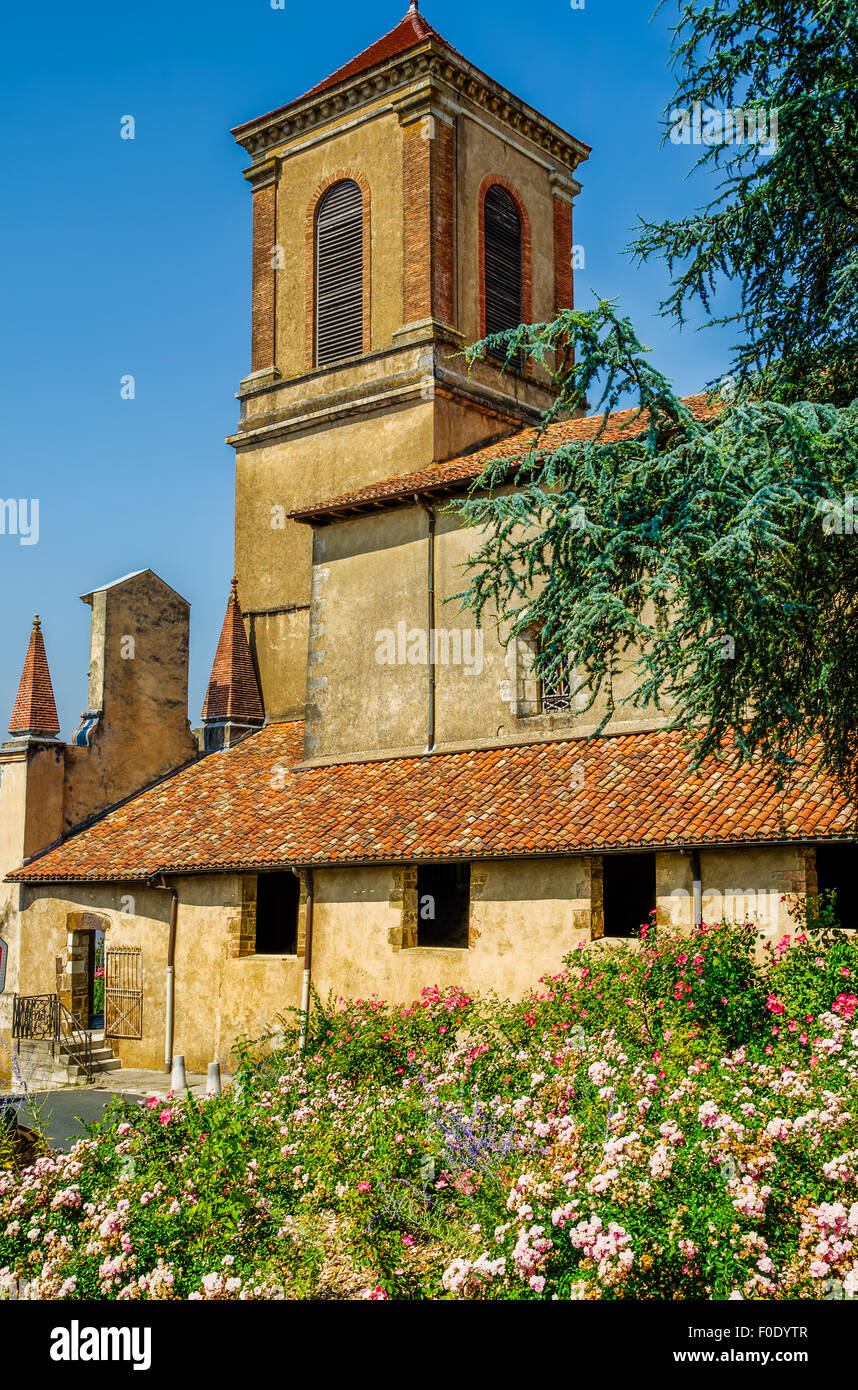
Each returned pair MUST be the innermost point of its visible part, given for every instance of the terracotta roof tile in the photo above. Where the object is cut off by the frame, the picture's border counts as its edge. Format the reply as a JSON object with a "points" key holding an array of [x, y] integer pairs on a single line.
{"points": [[35, 709], [231, 811], [457, 473], [233, 691]]}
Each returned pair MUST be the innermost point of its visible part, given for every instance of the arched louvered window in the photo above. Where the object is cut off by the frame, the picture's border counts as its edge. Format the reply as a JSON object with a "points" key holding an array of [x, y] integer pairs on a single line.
{"points": [[502, 262], [339, 273]]}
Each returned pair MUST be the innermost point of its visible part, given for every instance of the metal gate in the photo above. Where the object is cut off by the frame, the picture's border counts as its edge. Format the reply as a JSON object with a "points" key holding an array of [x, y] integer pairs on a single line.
{"points": [[123, 993]]}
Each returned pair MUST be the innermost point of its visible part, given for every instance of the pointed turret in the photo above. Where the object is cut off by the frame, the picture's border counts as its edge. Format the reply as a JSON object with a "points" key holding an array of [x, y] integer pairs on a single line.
{"points": [[233, 706], [35, 711]]}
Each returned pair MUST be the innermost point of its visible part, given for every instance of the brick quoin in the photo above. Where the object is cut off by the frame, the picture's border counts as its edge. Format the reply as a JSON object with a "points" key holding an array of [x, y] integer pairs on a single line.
{"points": [[264, 278], [428, 186], [417, 222], [310, 277], [443, 223], [564, 280], [564, 277], [526, 275]]}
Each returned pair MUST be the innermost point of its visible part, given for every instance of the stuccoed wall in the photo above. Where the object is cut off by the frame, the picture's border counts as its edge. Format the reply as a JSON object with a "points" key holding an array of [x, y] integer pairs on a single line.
{"points": [[526, 915], [754, 884], [217, 998], [370, 576]]}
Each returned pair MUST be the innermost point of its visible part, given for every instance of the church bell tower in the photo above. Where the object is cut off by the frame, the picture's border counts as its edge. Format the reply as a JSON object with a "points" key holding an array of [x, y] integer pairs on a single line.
{"points": [[402, 208]]}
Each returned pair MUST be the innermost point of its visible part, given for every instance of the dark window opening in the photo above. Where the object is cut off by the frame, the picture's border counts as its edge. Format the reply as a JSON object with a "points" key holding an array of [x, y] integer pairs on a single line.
{"points": [[339, 274], [277, 914], [628, 888], [837, 871], [443, 904], [502, 267]]}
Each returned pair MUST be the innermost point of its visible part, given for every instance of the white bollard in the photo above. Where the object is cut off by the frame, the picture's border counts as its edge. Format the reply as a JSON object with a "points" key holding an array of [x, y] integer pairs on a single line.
{"points": [[177, 1078], [213, 1079]]}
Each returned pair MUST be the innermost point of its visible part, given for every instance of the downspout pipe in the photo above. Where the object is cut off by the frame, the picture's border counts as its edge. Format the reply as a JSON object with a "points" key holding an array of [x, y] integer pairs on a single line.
{"points": [[308, 955], [696, 888], [170, 981], [430, 515]]}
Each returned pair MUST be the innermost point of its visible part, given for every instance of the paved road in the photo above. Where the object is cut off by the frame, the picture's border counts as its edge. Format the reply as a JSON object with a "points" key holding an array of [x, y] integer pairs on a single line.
{"points": [[62, 1111]]}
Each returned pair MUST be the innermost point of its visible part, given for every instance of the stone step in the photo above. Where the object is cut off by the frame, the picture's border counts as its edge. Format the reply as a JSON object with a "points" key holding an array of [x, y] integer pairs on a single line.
{"points": [[98, 1054], [41, 1066]]}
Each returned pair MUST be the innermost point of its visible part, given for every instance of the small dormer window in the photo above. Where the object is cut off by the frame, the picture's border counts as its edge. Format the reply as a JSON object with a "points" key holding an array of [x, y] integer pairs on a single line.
{"points": [[339, 273]]}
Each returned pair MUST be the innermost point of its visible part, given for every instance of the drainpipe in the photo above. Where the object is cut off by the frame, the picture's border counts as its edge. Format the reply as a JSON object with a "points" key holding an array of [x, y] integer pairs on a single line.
{"points": [[171, 973], [430, 740], [697, 887], [308, 956]]}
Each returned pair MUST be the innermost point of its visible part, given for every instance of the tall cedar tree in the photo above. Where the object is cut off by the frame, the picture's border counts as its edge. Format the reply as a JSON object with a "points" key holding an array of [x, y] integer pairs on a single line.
{"points": [[719, 554]]}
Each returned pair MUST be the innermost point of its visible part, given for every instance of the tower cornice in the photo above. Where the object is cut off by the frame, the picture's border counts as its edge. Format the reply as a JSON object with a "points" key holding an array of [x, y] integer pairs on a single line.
{"points": [[430, 61]]}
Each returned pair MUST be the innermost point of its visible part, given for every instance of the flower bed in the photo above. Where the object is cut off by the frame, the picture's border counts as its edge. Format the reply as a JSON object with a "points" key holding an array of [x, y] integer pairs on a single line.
{"points": [[658, 1121]]}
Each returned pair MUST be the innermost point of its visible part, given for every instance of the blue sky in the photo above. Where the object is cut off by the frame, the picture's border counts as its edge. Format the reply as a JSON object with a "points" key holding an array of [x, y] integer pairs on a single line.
{"points": [[133, 257]]}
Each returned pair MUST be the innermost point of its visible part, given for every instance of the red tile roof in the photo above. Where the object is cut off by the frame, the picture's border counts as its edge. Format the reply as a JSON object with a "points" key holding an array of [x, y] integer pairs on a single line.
{"points": [[35, 709], [409, 32], [233, 691], [247, 808], [457, 473]]}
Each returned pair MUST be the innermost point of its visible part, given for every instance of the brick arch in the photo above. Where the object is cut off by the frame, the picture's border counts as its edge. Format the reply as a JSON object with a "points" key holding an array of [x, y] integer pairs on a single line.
{"points": [[310, 280], [526, 275]]}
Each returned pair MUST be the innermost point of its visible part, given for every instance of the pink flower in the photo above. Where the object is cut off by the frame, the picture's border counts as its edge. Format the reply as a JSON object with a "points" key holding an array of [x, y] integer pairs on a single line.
{"points": [[166, 1116], [365, 1187]]}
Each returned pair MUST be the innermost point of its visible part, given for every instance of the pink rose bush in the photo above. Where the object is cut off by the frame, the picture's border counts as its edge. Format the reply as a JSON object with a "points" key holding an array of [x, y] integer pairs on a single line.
{"points": [[597, 1140]]}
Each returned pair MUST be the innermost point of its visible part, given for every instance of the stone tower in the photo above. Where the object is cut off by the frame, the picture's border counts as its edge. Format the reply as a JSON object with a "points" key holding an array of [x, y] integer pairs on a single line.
{"points": [[412, 136]]}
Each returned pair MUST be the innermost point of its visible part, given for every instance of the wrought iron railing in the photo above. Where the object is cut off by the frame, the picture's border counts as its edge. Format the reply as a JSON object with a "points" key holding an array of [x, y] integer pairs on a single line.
{"points": [[45, 1018]]}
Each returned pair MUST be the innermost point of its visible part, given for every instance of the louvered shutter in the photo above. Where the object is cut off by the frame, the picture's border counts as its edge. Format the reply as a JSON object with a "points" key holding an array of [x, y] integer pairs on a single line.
{"points": [[502, 264], [339, 274]]}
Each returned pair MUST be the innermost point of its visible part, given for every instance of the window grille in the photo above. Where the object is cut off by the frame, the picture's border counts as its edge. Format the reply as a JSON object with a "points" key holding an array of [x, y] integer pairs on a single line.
{"points": [[555, 688]]}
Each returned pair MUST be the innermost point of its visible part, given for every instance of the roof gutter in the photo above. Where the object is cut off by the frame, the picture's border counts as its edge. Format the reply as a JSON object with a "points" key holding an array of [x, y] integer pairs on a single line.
{"points": [[660, 847]]}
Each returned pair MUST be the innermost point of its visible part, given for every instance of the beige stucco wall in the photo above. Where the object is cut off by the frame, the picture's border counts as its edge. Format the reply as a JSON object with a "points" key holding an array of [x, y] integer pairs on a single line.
{"points": [[754, 884], [31, 785], [371, 575], [217, 997], [526, 915]]}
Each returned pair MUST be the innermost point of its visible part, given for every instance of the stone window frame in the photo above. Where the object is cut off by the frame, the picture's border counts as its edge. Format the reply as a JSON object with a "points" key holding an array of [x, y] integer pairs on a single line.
{"points": [[403, 897], [526, 692], [340, 176], [241, 924]]}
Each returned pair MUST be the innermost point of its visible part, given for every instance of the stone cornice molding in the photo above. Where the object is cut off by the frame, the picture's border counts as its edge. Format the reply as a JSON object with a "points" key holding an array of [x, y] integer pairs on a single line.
{"points": [[429, 61]]}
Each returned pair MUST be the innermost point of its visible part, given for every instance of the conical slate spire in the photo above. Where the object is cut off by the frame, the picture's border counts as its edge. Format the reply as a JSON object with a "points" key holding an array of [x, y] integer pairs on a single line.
{"points": [[233, 691], [35, 710]]}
